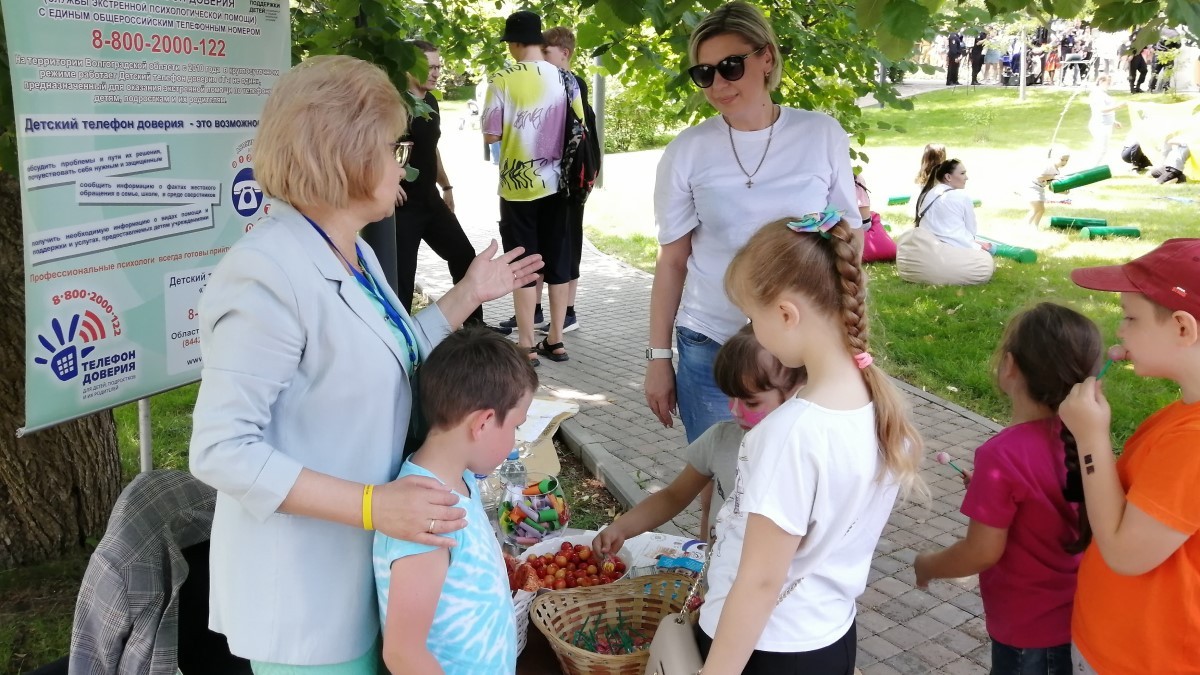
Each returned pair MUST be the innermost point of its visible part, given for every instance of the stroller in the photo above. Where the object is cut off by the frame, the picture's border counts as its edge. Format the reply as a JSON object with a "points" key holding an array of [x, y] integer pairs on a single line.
{"points": [[1010, 69]]}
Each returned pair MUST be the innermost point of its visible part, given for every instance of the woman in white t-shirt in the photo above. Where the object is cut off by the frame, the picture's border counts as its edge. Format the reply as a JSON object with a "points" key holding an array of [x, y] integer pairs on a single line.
{"points": [[717, 183], [942, 248]]}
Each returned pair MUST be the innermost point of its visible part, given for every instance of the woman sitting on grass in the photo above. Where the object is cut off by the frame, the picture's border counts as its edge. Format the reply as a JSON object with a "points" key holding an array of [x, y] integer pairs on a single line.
{"points": [[942, 248]]}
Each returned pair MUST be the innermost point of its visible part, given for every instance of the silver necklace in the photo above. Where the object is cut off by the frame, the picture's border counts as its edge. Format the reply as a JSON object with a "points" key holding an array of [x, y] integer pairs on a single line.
{"points": [[750, 176]]}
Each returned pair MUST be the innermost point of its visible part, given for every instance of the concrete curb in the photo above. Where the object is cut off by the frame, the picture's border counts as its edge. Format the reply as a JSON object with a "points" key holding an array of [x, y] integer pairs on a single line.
{"points": [[937, 400], [602, 464]]}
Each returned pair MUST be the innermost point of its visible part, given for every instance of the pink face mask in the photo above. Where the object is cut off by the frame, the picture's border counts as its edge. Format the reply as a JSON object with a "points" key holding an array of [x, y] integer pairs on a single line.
{"points": [[746, 418]]}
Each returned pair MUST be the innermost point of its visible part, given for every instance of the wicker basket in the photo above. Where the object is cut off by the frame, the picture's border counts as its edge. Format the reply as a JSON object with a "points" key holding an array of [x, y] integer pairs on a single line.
{"points": [[642, 602], [521, 601]]}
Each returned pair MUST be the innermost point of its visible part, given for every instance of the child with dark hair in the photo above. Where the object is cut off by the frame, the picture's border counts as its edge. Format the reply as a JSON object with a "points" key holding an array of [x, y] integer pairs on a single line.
{"points": [[756, 384], [451, 609], [1138, 605], [1026, 531]]}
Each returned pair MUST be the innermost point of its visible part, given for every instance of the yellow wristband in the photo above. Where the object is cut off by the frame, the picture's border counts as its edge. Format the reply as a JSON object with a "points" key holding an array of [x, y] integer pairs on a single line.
{"points": [[366, 507]]}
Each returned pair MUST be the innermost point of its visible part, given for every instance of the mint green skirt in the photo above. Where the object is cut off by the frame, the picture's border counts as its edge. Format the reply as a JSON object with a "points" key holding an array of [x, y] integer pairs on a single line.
{"points": [[369, 663]]}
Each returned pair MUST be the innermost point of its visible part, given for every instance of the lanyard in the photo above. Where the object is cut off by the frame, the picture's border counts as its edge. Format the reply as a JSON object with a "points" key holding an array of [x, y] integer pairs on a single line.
{"points": [[368, 284]]}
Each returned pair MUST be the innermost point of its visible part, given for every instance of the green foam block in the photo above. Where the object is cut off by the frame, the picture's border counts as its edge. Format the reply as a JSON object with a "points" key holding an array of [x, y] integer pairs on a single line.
{"points": [[1096, 232], [1064, 222], [899, 199], [1092, 175], [1002, 250]]}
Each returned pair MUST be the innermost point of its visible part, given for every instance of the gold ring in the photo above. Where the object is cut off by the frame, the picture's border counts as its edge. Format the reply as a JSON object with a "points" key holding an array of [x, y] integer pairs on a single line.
{"points": [[430, 529]]}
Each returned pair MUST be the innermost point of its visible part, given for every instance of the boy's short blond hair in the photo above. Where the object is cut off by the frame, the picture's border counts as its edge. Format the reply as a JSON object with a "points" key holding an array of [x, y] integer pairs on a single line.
{"points": [[322, 130], [560, 36]]}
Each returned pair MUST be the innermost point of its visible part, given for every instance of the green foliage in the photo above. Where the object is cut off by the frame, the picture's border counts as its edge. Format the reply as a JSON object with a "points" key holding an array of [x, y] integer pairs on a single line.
{"points": [[630, 123]]}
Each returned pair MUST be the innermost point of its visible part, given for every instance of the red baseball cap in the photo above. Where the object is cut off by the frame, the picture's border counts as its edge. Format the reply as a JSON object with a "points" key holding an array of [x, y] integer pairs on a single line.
{"points": [[1169, 276]]}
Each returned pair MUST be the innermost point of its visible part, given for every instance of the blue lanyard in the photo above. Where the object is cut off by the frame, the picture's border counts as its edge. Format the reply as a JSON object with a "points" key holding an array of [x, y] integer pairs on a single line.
{"points": [[369, 285]]}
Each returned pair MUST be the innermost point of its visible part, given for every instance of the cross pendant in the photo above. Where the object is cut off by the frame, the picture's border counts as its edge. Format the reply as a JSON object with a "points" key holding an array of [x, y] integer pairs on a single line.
{"points": [[749, 183]]}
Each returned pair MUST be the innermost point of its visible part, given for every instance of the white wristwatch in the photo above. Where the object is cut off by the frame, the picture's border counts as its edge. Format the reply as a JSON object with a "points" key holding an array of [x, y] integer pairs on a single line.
{"points": [[653, 354]]}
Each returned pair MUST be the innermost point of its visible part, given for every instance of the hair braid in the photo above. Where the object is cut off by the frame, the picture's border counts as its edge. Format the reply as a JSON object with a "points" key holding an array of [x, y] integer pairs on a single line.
{"points": [[853, 288]]}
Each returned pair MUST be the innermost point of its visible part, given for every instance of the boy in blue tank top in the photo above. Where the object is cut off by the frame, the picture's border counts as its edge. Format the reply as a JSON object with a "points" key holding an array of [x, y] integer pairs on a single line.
{"points": [[450, 610]]}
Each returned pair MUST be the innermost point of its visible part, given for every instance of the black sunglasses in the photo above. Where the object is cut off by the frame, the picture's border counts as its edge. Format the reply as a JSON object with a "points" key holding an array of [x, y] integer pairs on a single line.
{"points": [[732, 68]]}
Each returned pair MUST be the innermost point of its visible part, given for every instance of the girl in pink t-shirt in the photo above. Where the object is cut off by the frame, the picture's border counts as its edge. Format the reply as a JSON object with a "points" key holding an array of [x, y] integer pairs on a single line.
{"points": [[1028, 525]]}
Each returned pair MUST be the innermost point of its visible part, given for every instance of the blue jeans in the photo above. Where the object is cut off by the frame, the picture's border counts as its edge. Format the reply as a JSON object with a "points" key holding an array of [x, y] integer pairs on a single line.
{"points": [[701, 403], [1044, 661]]}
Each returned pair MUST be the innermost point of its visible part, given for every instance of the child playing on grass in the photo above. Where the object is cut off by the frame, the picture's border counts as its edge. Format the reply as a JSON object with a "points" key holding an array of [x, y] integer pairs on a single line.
{"points": [[817, 479], [756, 384], [450, 610], [1025, 533], [1036, 192], [1137, 607]]}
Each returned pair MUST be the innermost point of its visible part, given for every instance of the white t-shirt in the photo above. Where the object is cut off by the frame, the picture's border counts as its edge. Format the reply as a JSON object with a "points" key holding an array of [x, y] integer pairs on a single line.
{"points": [[1101, 101], [701, 190], [815, 473], [951, 218]]}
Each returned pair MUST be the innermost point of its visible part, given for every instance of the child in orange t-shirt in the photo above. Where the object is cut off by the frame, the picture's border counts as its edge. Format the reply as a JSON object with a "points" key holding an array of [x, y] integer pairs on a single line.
{"points": [[1137, 605]]}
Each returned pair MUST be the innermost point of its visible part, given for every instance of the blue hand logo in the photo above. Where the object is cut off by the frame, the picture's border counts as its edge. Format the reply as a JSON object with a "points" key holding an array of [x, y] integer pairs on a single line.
{"points": [[64, 358]]}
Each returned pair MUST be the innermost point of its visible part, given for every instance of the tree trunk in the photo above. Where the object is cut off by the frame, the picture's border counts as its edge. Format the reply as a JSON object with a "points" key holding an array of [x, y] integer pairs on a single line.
{"points": [[57, 486]]}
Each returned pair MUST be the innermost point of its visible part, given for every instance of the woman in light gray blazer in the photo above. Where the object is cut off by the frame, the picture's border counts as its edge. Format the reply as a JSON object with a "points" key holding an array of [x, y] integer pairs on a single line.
{"points": [[305, 398]]}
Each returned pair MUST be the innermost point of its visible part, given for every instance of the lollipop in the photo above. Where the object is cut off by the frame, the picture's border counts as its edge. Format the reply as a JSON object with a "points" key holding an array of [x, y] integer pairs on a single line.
{"points": [[944, 458], [1115, 353]]}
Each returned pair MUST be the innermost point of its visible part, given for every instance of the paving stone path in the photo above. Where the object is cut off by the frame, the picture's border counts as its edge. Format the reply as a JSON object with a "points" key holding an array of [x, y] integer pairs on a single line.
{"points": [[901, 629]]}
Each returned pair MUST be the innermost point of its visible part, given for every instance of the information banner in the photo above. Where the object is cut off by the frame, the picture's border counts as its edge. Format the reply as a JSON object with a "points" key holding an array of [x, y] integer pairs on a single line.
{"points": [[135, 122]]}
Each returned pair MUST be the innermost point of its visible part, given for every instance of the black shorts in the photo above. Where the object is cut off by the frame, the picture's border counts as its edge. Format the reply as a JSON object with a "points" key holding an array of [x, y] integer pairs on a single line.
{"points": [[575, 229], [541, 227]]}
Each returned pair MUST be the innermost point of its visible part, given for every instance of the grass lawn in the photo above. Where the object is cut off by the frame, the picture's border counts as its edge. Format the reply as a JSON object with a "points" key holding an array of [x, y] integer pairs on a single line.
{"points": [[943, 339]]}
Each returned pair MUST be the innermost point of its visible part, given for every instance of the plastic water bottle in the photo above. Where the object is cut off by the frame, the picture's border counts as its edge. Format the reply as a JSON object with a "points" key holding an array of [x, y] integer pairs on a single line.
{"points": [[490, 494], [512, 472]]}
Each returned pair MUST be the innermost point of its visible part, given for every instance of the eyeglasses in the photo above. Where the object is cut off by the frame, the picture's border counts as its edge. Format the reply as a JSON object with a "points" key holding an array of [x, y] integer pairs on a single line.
{"points": [[732, 68], [403, 149]]}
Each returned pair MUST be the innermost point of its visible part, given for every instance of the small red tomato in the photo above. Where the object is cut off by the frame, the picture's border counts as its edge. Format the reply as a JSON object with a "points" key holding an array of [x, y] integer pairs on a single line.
{"points": [[560, 560], [560, 584], [585, 553]]}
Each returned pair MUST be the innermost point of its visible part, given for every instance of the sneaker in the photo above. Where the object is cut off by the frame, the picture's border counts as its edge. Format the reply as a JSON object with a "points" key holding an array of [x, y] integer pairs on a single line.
{"points": [[511, 322], [569, 324]]}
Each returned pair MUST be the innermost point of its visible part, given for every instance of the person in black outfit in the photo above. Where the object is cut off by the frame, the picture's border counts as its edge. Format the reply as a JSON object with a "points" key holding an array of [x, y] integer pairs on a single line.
{"points": [[1137, 66], [421, 213], [977, 57], [955, 48]]}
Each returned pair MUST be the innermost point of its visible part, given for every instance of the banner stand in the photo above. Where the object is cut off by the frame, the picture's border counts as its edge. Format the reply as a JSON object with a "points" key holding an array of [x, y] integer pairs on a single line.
{"points": [[144, 435]]}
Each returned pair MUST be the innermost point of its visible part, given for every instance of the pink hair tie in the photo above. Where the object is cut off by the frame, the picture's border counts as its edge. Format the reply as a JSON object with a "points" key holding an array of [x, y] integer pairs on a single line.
{"points": [[863, 360]]}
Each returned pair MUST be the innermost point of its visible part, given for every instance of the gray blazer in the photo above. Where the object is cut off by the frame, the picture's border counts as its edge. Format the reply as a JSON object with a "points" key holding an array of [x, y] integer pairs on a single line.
{"points": [[300, 371]]}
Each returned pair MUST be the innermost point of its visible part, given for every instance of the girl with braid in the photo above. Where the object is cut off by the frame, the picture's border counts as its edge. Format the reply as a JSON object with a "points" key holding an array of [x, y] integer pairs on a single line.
{"points": [[816, 479], [1025, 498]]}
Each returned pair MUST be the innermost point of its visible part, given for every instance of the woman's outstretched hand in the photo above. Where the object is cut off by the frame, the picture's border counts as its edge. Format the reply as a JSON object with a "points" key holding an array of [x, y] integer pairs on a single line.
{"points": [[490, 277]]}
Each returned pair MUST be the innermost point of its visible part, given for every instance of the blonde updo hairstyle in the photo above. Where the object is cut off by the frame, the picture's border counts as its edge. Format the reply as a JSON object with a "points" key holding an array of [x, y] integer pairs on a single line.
{"points": [[322, 130], [744, 20]]}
